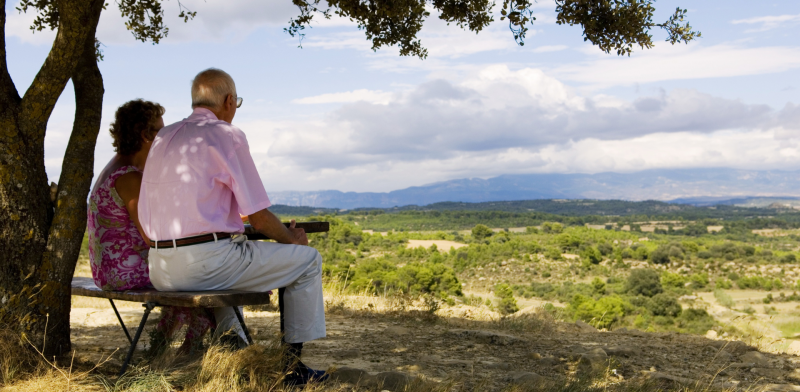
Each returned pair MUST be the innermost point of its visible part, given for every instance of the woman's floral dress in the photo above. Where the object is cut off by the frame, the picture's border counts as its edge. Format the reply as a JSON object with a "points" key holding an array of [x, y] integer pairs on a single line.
{"points": [[118, 255]]}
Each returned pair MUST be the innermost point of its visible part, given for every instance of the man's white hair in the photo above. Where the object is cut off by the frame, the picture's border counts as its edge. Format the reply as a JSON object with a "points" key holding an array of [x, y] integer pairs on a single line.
{"points": [[210, 87]]}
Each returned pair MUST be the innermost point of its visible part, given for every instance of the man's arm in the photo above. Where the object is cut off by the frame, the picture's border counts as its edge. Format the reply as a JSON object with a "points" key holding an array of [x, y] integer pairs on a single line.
{"points": [[268, 224]]}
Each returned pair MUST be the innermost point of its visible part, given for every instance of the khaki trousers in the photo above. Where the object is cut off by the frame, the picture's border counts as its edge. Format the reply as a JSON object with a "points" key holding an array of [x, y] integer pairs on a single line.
{"points": [[238, 264]]}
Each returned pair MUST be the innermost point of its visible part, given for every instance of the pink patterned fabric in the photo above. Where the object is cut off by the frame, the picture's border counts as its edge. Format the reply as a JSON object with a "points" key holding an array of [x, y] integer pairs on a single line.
{"points": [[117, 252], [118, 256]]}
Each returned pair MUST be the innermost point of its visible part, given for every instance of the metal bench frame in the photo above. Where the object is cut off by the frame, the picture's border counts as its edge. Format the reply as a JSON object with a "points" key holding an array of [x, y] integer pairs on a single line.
{"points": [[148, 307], [150, 299], [149, 303]]}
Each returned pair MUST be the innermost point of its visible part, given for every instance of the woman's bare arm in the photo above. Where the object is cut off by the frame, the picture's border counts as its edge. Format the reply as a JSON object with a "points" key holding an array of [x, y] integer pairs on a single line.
{"points": [[127, 187]]}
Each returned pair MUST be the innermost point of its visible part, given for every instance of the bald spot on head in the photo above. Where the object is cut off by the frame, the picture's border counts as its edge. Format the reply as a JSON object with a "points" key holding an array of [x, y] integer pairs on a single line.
{"points": [[210, 87]]}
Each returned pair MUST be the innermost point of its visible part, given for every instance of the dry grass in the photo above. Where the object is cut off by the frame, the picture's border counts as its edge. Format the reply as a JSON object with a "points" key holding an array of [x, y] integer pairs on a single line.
{"points": [[258, 368], [24, 368]]}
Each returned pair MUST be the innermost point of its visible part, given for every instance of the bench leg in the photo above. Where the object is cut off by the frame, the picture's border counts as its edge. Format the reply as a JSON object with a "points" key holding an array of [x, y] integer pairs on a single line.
{"points": [[125, 329], [241, 322], [147, 308], [280, 308]]}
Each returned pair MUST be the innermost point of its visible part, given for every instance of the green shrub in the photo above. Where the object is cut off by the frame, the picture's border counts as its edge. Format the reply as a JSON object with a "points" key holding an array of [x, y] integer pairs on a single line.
{"points": [[728, 251], [759, 282], [696, 321], [605, 248], [380, 275], [598, 286], [644, 282], [664, 305], [553, 254], [664, 253], [691, 246], [591, 254], [724, 298], [601, 313], [567, 241], [549, 227], [673, 280], [641, 253], [723, 284], [659, 256], [699, 281], [704, 254], [508, 304], [790, 258], [480, 232]]}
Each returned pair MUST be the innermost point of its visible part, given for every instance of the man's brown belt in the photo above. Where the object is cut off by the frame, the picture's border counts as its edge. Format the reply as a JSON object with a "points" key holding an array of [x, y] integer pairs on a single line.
{"points": [[200, 239]]}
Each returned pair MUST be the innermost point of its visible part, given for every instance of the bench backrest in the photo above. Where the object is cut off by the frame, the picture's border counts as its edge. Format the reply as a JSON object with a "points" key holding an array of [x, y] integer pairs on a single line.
{"points": [[192, 299]]}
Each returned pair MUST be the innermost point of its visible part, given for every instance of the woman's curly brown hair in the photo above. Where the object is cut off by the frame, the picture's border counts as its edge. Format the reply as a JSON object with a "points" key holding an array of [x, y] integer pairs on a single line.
{"points": [[133, 121]]}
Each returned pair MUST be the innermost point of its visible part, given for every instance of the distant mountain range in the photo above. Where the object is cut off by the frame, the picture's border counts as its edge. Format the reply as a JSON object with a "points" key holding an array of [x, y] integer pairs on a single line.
{"points": [[685, 186]]}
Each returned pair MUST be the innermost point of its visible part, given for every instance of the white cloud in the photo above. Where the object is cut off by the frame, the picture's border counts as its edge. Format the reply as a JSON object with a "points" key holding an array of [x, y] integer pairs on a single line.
{"points": [[372, 96], [768, 22], [496, 121], [667, 62], [501, 121], [550, 48], [19, 25], [753, 150]]}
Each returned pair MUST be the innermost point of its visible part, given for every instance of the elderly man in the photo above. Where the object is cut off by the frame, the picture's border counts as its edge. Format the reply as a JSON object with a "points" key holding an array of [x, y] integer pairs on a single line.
{"points": [[198, 179]]}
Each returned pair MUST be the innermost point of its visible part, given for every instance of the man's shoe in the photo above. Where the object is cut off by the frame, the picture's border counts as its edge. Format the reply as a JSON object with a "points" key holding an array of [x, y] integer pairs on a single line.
{"points": [[232, 342], [304, 375]]}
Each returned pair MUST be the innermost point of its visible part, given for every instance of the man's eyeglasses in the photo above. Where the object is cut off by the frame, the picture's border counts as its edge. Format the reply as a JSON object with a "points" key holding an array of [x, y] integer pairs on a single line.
{"points": [[239, 101]]}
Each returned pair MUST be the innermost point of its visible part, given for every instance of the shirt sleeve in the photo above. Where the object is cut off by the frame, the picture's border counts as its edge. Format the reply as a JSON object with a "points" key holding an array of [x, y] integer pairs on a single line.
{"points": [[245, 182]]}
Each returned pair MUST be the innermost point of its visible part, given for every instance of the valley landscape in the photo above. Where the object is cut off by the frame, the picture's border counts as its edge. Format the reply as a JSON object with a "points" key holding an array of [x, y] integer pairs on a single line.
{"points": [[664, 297]]}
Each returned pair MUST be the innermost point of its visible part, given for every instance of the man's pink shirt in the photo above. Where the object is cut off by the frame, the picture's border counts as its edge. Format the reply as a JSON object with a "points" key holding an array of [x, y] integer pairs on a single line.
{"points": [[198, 178]]}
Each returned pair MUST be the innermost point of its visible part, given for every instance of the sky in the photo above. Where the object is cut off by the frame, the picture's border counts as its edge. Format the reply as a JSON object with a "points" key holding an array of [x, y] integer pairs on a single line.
{"points": [[336, 115]]}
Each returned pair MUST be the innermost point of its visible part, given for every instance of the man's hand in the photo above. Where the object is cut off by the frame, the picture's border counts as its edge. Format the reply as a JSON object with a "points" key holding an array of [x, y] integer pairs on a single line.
{"points": [[268, 224], [299, 234]]}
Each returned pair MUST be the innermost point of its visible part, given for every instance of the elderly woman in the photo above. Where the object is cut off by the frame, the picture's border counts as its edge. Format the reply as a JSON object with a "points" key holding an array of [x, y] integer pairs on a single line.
{"points": [[117, 246]]}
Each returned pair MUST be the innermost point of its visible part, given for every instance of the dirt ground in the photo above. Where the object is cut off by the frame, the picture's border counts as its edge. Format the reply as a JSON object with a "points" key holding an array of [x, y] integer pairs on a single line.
{"points": [[464, 346], [442, 245]]}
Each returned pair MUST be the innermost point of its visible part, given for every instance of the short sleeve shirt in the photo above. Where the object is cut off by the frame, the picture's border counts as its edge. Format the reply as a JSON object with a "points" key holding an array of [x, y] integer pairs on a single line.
{"points": [[199, 176]]}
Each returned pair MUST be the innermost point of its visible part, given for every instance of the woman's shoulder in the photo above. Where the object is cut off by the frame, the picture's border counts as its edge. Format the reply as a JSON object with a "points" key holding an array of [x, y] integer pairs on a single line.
{"points": [[128, 184], [107, 186]]}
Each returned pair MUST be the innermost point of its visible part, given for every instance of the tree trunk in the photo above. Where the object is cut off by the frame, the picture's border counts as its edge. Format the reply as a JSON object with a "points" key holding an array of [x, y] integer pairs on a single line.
{"points": [[69, 222], [37, 259]]}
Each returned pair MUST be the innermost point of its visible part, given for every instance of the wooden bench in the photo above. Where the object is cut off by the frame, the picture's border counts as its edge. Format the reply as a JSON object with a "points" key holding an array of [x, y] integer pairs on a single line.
{"points": [[152, 298]]}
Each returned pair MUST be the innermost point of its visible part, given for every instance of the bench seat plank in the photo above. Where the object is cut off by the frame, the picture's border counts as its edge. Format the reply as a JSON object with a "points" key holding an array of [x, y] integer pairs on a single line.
{"points": [[193, 299]]}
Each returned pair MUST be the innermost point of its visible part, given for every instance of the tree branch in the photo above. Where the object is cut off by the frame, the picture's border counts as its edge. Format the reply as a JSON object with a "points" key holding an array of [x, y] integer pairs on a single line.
{"points": [[9, 97], [74, 24]]}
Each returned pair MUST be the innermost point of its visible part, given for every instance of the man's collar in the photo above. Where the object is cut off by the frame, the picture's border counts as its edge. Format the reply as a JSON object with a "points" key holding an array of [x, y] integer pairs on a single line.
{"points": [[201, 113]]}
